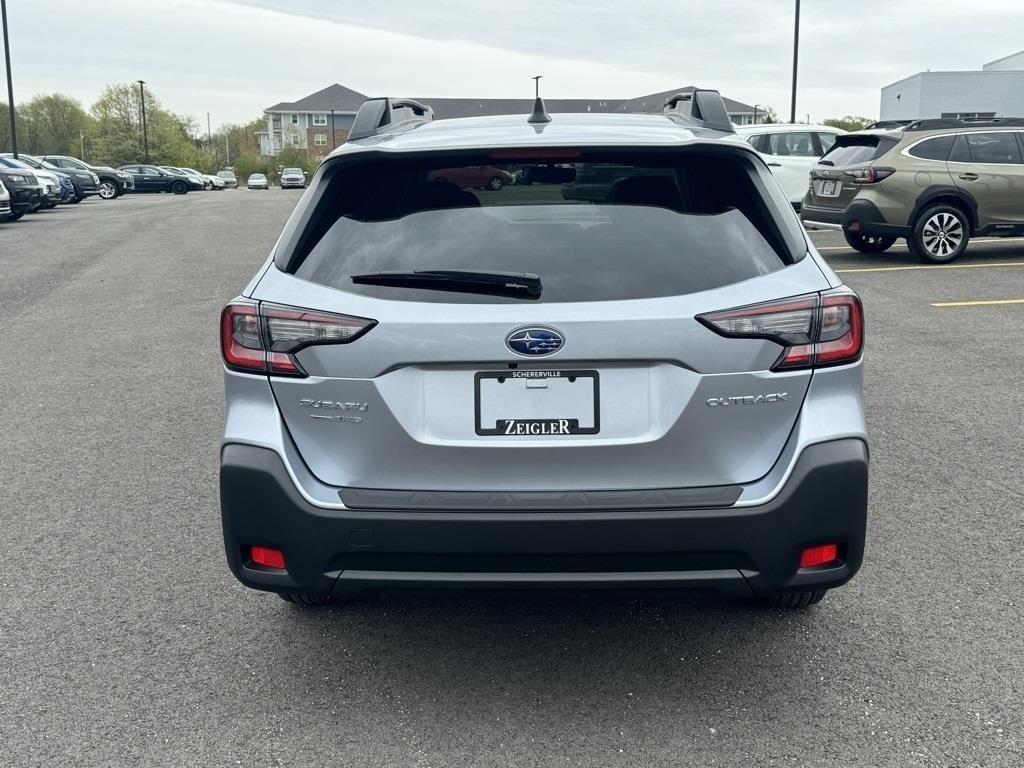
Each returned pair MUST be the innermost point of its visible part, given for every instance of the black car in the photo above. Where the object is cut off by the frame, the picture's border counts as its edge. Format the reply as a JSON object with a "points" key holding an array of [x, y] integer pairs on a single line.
{"points": [[149, 178], [26, 194], [111, 183]]}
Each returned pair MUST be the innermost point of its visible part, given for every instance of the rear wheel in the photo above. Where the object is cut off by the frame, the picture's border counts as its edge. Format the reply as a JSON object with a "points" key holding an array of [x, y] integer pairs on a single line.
{"points": [[179, 187], [940, 234], [108, 190], [868, 243], [495, 183], [794, 599]]}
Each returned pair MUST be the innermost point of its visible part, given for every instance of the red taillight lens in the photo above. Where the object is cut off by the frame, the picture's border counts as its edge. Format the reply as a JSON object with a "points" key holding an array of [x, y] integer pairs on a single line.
{"points": [[869, 175], [267, 557], [263, 338], [241, 342], [818, 329], [822, 555], [841, 335]]}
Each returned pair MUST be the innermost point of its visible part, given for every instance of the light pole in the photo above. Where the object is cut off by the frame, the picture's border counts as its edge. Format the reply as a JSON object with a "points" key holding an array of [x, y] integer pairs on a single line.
{"points": [[10, 85], [796, 51], [334, 141], [756, 106], [145, 132]]}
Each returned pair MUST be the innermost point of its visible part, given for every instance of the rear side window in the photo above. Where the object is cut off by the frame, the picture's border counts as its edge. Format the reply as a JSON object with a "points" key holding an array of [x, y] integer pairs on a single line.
{"points": [[855, 149], [595, 227], [827, 140], [933, 149], [997, 148], [798, 144]]}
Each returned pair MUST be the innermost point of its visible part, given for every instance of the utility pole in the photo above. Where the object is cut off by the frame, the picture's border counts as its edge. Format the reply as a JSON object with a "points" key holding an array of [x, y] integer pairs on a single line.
{"points": [[145, 132], [81, 140], [209, 133], [796, 51], [334, 141], [10, 84], [227, 151]]}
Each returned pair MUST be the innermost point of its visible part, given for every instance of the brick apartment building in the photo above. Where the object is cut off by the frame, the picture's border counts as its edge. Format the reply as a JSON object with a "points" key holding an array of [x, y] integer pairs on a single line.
{"points": [[321, 121]]}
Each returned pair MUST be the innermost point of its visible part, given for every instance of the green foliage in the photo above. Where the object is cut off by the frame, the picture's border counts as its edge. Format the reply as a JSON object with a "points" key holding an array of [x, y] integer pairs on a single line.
{"points": [[850, 123], [54, 124]]}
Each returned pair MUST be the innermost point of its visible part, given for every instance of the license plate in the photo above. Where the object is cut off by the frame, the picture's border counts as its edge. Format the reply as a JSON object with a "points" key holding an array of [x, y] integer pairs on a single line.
{"points": [[533, 403], [829, 188]]}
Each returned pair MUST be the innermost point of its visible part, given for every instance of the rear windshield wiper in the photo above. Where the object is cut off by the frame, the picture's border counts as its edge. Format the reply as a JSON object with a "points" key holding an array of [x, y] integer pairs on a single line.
{"points": [[523, 285]]}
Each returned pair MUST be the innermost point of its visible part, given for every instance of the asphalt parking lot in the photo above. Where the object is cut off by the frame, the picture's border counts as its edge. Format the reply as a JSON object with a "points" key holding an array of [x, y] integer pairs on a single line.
{"points": [[124, 639]]}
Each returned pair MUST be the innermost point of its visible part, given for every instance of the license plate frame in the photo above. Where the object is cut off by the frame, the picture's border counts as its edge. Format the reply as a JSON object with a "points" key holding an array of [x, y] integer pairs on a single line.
{"points": [[830, 188], [547, 427]]}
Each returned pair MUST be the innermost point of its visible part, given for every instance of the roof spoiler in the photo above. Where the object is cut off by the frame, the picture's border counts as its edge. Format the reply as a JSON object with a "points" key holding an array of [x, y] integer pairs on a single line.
{"points": [[700, 108], [384, 115]]}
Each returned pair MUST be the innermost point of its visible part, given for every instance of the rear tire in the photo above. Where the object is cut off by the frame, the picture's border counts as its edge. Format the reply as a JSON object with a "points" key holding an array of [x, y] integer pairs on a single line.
{"points": [[868, 243], [794, 599], [179, 187], [940, 234], [495, 183]]}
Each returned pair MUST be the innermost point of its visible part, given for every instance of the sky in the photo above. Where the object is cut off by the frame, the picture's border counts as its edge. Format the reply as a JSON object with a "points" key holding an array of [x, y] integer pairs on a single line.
{"points": [[233, 58]]}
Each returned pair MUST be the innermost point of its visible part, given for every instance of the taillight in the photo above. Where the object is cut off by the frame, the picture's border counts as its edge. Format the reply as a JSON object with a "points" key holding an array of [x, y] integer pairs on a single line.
{"points": [[263, 338], [869, 175], [814, 330]]}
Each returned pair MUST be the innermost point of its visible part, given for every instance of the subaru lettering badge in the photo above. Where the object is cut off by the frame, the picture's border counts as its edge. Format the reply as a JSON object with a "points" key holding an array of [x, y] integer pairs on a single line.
{"points": [[534, 341]]}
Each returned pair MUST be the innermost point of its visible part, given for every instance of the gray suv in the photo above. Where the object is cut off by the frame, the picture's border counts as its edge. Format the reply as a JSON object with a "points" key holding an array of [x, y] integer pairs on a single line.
{"points": [[654, 386], [934, 182]]}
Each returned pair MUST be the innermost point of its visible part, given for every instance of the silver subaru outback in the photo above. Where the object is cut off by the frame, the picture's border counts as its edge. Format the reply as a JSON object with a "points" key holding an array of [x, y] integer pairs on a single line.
{"points": [[632, 371]]}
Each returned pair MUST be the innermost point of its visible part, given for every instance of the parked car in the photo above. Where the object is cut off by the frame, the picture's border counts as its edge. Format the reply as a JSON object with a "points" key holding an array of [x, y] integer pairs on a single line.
{"points": [[5, 203], [475, 177], [584, 403], [935, 182], [149, 178], [48, 182], [195, 181], [84, 183], [212, 182], [111, 182], [293, 177], [230, 180], [25, 190], [66, 191], [257, 181], [791, 150]]}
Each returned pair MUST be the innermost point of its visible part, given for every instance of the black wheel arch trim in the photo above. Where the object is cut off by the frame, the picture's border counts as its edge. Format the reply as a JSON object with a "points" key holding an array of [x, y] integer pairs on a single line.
{"points": [[933, 196]]}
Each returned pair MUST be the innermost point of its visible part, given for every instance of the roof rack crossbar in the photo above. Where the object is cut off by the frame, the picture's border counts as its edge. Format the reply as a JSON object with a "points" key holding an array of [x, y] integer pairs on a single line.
{"points": [[935, 123], [383, 115], [705, 109]]}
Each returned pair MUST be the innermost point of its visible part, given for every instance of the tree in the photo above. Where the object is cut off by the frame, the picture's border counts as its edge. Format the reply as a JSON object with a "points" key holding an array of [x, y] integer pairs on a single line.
{"points": [[850, 123], [55, 124], [767, 115]]}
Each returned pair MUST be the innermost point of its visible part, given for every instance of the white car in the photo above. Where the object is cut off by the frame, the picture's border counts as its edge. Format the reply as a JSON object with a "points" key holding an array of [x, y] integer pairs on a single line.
{"points": [[5, 202], [212, 182], [257, 181], [791, 150]]}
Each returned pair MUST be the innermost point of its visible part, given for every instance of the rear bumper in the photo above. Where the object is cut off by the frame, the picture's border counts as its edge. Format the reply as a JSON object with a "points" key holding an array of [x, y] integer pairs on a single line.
{"points": [[747, 551], [861, 215]]}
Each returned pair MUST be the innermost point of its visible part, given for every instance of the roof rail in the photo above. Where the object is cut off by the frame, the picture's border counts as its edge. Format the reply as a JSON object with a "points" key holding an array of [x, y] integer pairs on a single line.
{"points": [[383, 115], [937, 123], [706, 109]]}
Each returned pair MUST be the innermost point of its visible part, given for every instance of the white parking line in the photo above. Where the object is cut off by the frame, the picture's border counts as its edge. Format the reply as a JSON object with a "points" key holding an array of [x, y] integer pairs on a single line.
{"points": [[984, 303], [1011, 240]]}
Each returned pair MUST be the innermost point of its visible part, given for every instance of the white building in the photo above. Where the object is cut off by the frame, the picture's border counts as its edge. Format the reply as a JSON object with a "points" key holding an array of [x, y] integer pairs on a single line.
{"points": [[996, 90]]}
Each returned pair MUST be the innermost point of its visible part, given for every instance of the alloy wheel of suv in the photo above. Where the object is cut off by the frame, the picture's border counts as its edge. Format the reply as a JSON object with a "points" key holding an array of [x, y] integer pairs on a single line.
{"points": [[868, 243], [940, 234], [107, 190]]}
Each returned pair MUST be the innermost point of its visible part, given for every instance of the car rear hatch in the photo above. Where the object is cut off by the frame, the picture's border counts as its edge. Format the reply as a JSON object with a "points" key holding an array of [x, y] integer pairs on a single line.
{"points": [[832, 182], [608, 380]]}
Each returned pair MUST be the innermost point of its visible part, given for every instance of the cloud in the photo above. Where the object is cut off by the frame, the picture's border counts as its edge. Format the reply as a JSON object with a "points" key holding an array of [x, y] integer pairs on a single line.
{"points": [[235, 57]]}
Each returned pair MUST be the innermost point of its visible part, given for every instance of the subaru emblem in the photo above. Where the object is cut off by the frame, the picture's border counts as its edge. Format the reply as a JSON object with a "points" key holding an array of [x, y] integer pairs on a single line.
{"points": [[534, 341]]}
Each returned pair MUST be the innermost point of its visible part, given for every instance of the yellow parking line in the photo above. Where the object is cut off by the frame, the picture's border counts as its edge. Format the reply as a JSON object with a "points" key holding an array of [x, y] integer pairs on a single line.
{"points": [[933, 266], [988, 303], [1015, 240]]}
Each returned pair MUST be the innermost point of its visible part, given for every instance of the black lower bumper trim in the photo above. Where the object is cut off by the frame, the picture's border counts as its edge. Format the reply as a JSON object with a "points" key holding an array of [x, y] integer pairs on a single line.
{"points": [[751, 549], [861, 216]]}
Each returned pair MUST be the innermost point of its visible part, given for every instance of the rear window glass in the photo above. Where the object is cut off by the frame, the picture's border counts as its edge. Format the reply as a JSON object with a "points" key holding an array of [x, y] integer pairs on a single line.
{"points": [[854, 150], [592, 230]]}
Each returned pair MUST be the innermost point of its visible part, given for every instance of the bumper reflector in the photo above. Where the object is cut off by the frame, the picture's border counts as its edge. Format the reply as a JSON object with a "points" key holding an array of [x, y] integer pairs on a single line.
{"points": [[267, 557], [813, 556]]}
